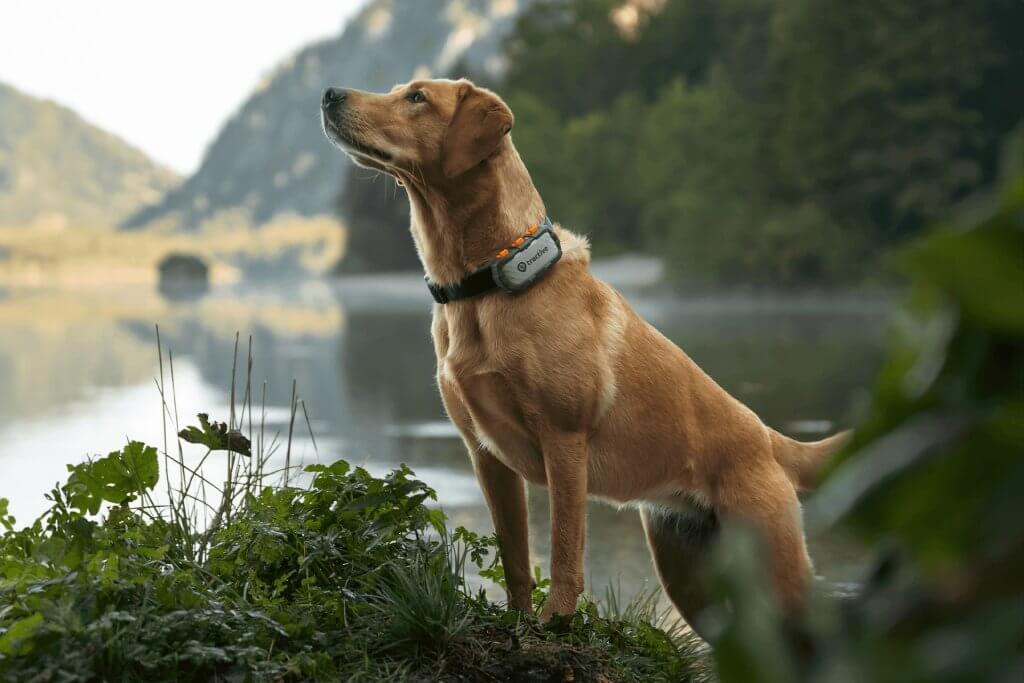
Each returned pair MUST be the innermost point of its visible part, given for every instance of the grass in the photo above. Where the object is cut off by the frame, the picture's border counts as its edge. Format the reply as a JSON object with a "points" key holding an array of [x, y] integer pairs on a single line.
{"points": [[422, 601], [151, 565]]}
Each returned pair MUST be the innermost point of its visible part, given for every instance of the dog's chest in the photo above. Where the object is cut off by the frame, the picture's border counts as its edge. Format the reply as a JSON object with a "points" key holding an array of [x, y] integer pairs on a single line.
{"points": [[501, 425], [497, 400]]}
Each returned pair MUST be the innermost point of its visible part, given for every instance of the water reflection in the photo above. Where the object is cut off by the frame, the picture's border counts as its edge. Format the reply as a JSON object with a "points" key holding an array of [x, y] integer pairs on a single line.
{"points": [[77, 369]]}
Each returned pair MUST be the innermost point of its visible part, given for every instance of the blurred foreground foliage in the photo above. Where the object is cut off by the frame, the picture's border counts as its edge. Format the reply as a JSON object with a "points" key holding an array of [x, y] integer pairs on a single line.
{"points": [[351, 578], [762, 142], [933, 478]]}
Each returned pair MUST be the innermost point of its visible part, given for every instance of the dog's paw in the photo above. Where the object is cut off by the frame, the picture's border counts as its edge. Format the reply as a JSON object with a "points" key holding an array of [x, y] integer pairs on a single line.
{"points": [[523, 603], [519, 595], [557, 605]]}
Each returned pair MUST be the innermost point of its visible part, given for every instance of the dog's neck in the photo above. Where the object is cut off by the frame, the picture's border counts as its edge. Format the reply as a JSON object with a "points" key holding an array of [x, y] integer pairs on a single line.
{"points": [[461, 224]]}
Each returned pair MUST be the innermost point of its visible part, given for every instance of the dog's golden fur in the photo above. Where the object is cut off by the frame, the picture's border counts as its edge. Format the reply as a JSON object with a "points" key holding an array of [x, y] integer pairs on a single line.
{"points": [[564, 385]]}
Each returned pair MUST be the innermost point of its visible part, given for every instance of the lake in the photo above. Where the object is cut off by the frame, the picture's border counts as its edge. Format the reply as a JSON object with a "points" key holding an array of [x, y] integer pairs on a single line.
{"points": [[78, 369]]}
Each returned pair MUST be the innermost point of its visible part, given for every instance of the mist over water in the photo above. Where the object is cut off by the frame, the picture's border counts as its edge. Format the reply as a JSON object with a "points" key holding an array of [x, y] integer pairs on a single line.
{"points": [[77, 376]]}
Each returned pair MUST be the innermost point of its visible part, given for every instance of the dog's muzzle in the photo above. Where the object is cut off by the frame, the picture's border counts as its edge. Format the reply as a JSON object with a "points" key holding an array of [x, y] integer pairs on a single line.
{"points": [[331, 103], [333, 97], [333, 116]]}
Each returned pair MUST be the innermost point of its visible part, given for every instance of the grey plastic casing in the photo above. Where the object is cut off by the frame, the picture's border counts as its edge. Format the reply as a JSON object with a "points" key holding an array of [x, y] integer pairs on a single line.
{"points": [[522, 267]]}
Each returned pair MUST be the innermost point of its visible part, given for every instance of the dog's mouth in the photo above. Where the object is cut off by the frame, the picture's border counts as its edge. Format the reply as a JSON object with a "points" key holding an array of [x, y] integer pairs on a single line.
{"points": [[349, 143]]}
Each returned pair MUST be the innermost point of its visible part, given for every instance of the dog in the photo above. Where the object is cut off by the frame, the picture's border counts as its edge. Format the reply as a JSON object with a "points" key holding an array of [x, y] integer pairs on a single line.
{"points": [[561, 383]]}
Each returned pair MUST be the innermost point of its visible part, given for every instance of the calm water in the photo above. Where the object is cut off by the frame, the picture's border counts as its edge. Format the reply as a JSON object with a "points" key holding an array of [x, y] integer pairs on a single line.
{"points": [[77, 378]]}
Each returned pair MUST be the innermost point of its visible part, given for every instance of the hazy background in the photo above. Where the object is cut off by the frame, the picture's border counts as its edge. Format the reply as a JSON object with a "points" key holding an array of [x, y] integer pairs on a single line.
{"points": [[192, 63], [742, 167]]}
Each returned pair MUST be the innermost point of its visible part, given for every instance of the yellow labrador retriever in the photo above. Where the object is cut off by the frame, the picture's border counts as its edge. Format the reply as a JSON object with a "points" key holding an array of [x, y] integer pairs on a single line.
{"points": [[561, 383]]}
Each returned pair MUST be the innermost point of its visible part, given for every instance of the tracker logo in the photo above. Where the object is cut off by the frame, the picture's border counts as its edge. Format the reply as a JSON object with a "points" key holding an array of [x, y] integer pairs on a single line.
{"points": [[530, 261]]}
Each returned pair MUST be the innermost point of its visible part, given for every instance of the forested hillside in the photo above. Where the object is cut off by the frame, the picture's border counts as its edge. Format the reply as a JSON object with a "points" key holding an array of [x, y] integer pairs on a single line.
{"points": [[763, 142], [58, 170]]}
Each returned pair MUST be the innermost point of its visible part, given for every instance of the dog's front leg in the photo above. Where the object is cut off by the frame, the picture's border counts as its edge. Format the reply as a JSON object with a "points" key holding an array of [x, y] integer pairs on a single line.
{"points": [[565, 463], [505, 492]]}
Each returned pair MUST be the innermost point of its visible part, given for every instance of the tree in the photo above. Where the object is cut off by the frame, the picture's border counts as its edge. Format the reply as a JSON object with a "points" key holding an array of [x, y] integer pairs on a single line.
{"points": [[763, 142], [869, 112]]}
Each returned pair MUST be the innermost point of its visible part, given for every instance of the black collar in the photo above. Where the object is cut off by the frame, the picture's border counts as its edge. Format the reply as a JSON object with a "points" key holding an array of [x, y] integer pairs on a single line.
{"points": [[478, 282], [514, 269]]}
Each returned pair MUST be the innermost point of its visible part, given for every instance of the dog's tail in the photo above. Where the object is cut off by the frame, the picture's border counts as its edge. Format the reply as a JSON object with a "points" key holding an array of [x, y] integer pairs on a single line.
{"points": [[802, 461]]}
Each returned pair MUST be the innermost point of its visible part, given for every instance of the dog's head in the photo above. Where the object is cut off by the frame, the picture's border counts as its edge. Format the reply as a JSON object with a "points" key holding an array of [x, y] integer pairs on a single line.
{"points": [[426, 129]]}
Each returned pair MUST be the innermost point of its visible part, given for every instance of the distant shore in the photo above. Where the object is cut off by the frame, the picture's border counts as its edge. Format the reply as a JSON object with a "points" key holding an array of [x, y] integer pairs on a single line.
{"points": [[33, 257]]}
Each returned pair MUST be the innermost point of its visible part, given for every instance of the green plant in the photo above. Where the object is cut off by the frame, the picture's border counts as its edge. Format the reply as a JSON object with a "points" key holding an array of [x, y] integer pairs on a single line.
{"points": [[424, 601], [353, 576], [349, 576]]}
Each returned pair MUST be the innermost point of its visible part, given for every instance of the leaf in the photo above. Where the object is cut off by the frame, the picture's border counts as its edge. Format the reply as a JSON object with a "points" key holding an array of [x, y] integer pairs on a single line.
{"points": [[370, 500], [6, 520], [117, 478], [437, 519], [978, 268], [155, 553], [141, 460], [879, 462], [216, 436], [16, 641]]}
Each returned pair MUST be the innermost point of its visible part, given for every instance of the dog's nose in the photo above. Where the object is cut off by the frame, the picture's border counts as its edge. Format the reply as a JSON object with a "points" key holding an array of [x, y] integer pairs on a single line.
{"points": [[333, 96]]}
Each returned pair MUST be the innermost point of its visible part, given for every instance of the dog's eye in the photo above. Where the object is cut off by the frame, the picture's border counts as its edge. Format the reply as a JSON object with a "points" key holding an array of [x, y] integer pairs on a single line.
{"points": [[416, 96]]}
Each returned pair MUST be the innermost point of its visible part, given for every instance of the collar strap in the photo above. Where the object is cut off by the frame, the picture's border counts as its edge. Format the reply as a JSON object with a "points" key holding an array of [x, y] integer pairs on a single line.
{"points": [[514, 269]]}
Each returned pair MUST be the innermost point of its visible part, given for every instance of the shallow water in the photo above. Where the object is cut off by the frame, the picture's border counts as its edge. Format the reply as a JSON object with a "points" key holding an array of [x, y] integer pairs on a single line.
{"points": [[77, 374]]}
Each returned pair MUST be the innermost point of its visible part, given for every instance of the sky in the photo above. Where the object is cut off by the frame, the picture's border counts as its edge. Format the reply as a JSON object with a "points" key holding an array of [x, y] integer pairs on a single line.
{"points": [[162, 75]]}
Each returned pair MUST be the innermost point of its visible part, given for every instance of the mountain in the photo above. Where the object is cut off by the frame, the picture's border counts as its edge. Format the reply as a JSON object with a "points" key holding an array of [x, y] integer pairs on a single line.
{"points": [[271, 157], [58, 169]]}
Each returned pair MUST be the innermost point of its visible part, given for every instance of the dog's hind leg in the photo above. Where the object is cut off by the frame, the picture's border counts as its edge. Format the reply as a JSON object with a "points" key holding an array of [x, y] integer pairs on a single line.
{"points": [[765, 498], [680, 541]]}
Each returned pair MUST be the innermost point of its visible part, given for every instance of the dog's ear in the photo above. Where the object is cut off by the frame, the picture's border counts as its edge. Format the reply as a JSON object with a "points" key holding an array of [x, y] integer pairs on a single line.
{"points": [[480, 122]]}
